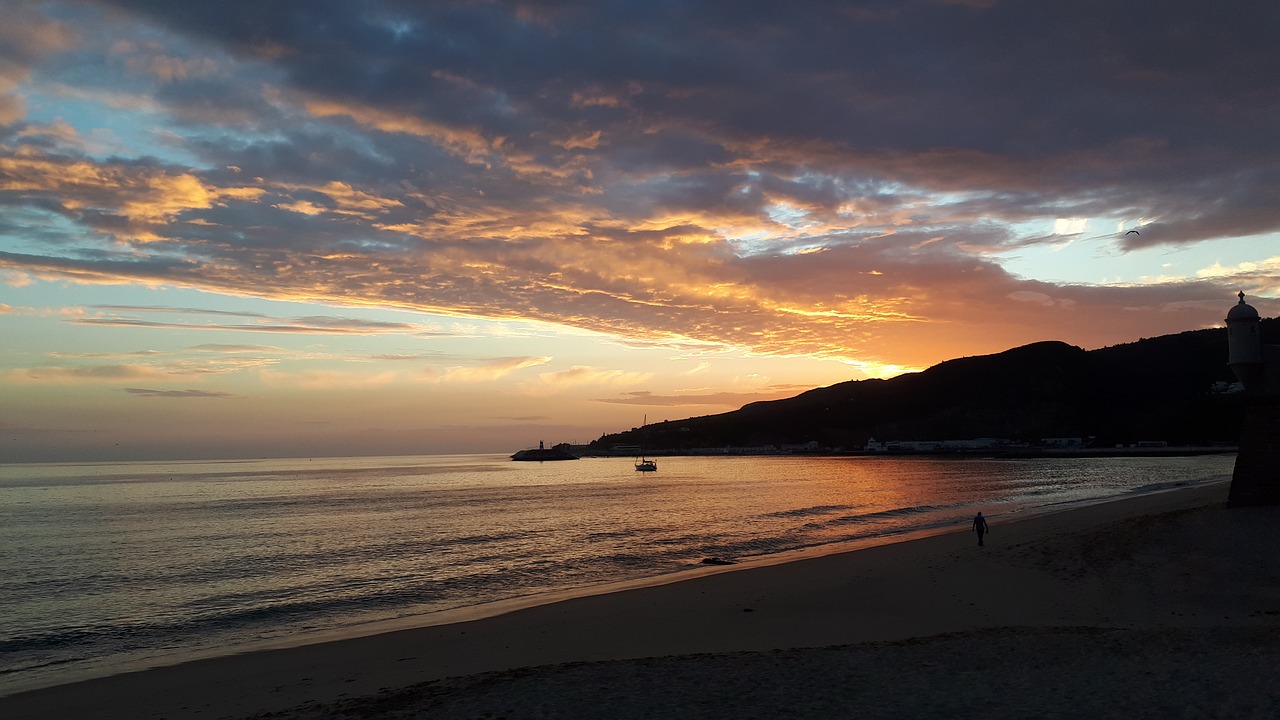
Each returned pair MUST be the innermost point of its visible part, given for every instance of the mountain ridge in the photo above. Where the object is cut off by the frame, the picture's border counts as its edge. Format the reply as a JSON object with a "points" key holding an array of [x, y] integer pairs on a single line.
{"points": [[1172, 388]]}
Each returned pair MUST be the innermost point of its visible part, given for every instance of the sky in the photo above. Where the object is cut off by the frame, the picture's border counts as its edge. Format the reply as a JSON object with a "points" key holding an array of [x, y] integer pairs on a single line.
{"points": [[356, 227]]}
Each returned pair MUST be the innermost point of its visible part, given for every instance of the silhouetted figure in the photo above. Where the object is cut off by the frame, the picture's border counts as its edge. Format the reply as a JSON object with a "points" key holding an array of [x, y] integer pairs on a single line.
{"points": [[980, 527]]}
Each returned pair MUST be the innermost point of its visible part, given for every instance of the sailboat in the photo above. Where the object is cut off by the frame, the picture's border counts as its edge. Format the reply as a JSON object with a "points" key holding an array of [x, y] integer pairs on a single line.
{"points": [[643, 465]]}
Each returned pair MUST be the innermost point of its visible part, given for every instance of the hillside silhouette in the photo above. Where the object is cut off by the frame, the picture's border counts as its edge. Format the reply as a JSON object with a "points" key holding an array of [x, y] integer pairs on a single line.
{"points": [[1173, 388]]}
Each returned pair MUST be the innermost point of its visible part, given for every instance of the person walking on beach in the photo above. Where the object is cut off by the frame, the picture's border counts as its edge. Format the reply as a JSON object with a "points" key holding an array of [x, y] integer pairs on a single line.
{"points": [[980, 527]]}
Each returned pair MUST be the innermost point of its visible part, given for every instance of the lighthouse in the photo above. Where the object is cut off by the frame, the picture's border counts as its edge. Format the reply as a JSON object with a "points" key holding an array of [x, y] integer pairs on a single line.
{"points": [[1256, 479]]}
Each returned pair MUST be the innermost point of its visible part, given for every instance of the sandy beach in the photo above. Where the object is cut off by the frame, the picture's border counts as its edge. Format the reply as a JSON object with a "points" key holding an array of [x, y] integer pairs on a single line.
{"points": [[1159, 605]]}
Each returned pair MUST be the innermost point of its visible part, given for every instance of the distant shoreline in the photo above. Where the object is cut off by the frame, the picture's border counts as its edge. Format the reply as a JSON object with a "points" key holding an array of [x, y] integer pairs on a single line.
{"points": [[994, 453]]}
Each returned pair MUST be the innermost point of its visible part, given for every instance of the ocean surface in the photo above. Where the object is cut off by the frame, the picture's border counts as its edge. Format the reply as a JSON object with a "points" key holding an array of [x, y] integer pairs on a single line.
{"points": [[103, 566]]}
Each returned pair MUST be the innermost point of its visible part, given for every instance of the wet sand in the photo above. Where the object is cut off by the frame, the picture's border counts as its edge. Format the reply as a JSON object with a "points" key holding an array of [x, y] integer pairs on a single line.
{"points": [[1160, 605]]}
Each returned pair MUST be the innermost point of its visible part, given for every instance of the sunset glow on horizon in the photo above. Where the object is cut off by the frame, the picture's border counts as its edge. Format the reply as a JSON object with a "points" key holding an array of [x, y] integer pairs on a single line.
{"points": [[376, 227]]}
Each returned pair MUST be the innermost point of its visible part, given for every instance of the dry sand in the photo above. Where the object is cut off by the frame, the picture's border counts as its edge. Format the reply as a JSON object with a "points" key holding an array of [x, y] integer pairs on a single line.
{"points": [[1162, 605]]}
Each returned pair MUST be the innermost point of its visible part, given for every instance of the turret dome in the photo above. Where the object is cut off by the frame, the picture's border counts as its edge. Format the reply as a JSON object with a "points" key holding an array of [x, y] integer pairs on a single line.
{"points": [[1242, 311]]}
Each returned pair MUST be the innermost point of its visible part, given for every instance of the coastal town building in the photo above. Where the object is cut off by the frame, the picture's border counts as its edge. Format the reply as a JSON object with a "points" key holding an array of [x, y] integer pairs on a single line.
{"points": [[922, 446]]}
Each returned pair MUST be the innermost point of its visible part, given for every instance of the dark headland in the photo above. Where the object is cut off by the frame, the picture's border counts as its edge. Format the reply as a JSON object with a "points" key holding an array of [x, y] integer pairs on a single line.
{"points": [[1162, 395], [540, 454]]}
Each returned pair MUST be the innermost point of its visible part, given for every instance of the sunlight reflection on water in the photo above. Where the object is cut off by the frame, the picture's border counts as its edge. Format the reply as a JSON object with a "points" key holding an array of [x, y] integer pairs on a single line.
{"points": [[105, 562]]}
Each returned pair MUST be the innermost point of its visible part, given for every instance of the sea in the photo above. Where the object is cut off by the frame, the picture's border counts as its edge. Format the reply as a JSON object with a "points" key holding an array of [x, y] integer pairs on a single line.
{"points": [[106, 567]]}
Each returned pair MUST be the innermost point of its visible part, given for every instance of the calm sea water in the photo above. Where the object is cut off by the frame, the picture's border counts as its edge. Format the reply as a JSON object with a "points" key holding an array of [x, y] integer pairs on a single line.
{"points": [[107, 564]]}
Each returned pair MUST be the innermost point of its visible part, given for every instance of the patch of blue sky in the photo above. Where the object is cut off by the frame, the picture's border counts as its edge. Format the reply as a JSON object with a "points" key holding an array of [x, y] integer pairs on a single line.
{"points": [[938, 198], [105, 132], [747, 244], [1212, 259], [389, 243], [1097, 258], [400, 27], [789, 215], [360, 142], [28, 230], [45, 318]]}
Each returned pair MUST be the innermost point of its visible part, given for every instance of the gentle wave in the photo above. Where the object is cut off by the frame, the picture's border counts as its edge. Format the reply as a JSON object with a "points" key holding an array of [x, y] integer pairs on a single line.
{"points": [[803, 512], [116, 563]]}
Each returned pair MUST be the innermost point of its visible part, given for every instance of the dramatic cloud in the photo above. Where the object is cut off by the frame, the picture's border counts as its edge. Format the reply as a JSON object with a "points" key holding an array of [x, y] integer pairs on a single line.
{"points": [[833, 179]]}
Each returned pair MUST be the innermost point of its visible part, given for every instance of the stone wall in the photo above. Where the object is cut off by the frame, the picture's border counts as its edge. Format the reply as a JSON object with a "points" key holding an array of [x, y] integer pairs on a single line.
{"points": [[1256, 480]]}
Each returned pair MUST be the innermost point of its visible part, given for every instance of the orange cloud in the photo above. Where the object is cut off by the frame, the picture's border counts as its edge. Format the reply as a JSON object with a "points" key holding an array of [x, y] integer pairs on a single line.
{"points": [[579, 375], [327, 379], [468, 143], [142, 195], [588, 141], [346, 199], [486, 371], [109, 373]]}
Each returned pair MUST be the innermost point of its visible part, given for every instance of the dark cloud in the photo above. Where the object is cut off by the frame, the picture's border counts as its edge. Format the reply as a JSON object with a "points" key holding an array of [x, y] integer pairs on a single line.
{"points": [[814, 177], [1014, 78]]}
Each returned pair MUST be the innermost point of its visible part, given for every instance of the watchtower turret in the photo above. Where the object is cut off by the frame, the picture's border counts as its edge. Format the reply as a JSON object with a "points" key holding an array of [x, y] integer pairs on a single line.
{"points": [[1256, 479]]}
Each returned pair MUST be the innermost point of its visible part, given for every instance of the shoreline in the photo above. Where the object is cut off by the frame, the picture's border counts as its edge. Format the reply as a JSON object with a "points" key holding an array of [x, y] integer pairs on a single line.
{"points": [[492, 608], [814, 601], [993, 453]]}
